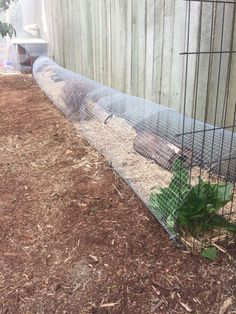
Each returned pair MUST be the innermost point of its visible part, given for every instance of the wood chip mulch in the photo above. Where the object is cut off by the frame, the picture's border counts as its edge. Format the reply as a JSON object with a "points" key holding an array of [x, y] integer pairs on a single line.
{"points": [[74, 238]]}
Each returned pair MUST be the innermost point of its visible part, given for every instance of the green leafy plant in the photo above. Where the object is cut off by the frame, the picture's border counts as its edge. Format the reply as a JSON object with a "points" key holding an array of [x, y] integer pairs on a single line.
{"points": [[193, 208], [198, 211], [165, 202], [6, 28], [5, 4]]}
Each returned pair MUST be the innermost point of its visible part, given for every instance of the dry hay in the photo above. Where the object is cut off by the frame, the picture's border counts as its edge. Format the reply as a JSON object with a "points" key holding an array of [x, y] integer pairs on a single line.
{"points": [[51, 88], [215, 237], [115, 141]]}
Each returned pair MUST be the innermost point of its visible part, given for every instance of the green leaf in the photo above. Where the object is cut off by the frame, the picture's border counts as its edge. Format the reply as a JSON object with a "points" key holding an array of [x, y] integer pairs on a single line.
{"points": [[211, 253], [210, 208], [5, 4], [220, 222], [180, 180], [224, 192], [7, 29], [195, 207], [171, 222]]}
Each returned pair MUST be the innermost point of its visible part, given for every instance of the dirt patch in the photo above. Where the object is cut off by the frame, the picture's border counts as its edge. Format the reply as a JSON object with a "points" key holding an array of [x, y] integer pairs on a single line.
{"points": [[74, 238]]}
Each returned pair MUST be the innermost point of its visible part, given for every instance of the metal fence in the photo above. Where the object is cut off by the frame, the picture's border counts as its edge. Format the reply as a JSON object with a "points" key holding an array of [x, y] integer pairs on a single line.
{"points": [[219, 107]]}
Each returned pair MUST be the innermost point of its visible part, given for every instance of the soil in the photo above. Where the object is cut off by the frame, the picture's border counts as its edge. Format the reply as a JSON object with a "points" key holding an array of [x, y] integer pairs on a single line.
{"points": [[74, 238]]}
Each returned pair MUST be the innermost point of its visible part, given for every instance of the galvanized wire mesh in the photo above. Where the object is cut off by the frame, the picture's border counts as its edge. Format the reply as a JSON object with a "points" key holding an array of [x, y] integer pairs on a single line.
{"points": [[140, 139]]}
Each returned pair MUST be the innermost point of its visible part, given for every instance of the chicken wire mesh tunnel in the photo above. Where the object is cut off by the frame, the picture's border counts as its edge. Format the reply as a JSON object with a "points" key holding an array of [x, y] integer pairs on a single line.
{"points": [[146, 143]]}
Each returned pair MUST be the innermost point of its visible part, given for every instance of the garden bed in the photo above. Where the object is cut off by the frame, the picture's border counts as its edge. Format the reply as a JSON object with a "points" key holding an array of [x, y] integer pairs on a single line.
{"points": [[74, 238]]}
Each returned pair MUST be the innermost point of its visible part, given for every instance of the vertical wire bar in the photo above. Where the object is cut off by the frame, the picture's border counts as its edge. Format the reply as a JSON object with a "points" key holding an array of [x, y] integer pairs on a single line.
{"points": [[207, 99], [196, 86], [186, 76], [186, 72], [226, 101], [230, 149], [217, 93], [216, 104], [208, 90], [218, 84], [196, 89], [234, 182], [226, 98]]}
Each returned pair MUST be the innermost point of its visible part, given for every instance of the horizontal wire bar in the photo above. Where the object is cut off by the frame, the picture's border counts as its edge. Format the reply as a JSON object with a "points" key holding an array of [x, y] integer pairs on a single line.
{"points": [[223, 159], [206, 130], [205, 52], [212, 1]]}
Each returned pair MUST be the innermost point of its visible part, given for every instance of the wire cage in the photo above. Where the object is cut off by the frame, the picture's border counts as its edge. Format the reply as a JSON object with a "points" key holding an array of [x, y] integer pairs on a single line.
{"points": [[183, 168]]}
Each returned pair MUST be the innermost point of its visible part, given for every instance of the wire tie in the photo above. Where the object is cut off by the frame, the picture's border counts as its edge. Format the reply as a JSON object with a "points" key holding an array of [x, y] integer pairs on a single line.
{"points": [[108, 118]]}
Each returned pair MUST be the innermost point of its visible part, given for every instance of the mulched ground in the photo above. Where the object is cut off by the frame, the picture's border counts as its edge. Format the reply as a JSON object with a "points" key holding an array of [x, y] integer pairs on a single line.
{"points": [[74, 238]]}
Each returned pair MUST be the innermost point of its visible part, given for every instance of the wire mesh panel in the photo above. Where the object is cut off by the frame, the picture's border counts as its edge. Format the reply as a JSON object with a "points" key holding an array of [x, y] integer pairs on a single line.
{"points": [[112, 122], [159, 152], [214, 100]]}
